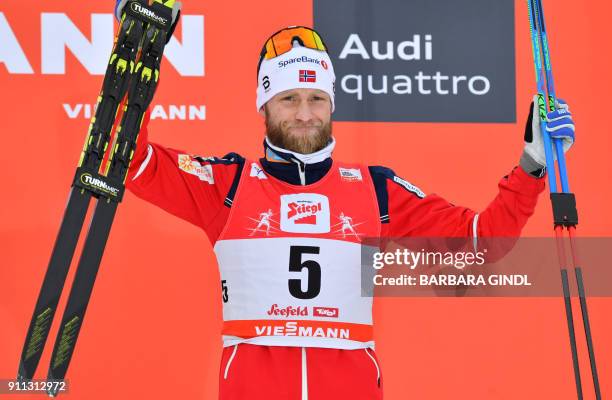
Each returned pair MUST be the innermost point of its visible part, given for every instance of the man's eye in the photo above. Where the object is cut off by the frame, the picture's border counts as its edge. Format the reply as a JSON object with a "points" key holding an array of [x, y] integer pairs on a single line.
{"points": [[289, 98]]}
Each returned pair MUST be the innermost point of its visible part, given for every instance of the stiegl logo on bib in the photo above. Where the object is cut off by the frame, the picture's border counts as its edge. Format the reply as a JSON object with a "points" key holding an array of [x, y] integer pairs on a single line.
{"points": [[305, 213]]}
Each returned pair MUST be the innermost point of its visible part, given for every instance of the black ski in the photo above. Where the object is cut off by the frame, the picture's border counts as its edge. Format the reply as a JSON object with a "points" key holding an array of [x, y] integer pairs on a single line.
{"points": [[53, 282], [139, 20], [113, 90], [140, 94]]}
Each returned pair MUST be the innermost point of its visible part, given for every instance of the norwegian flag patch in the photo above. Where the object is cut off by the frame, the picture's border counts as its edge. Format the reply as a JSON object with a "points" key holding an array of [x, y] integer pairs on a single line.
{"points": [[307, 75]]}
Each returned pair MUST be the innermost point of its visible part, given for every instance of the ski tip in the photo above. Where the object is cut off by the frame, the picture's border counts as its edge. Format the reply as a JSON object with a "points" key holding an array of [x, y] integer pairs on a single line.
{"points": [[22, 375], [52, 390]]}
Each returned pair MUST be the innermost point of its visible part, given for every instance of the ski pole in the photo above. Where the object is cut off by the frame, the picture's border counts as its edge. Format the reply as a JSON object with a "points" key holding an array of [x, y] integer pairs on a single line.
{"points": [[564, 203], [533, 25], [552, 98], [565, 188], [537, 58]]}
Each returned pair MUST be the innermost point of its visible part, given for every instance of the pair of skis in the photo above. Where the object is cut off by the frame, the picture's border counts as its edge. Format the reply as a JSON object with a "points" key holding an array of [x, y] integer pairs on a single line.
{"points": [[133, 70], [563, 203]]}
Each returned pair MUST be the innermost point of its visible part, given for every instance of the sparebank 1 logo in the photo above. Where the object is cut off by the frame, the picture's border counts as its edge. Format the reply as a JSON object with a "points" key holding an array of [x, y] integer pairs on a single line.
{"points": [[442, 61], [60, 35]]}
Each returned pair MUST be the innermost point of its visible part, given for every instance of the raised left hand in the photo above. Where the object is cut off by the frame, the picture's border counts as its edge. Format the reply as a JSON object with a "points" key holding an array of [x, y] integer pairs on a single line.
{"points": [[559, 125]]}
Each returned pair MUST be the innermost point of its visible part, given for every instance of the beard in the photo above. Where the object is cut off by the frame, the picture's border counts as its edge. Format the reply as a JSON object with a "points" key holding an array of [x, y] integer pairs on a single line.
{"points": [[302, 143]]}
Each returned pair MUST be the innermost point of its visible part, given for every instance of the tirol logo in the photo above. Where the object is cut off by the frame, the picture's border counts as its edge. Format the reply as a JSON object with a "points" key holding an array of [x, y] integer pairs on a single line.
{"points": [[330, 312], [420, 63], [99, 184], [305, 213], [289, 311], [138, 8]]}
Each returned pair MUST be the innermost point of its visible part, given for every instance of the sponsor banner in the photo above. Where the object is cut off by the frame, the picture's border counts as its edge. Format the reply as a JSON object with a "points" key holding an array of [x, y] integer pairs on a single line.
{"points": [[74, 52], [442, 61], [90, 41], [170, 112], [305, 328]]}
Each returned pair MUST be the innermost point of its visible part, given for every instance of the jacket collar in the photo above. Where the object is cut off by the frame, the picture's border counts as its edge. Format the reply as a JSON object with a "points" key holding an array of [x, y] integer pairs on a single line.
{"points": [[274, 153], [296, 168]]}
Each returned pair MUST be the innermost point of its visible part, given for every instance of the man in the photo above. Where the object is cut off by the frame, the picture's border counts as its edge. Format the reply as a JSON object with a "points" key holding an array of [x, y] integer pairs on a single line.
{"points": [[295, 323]]}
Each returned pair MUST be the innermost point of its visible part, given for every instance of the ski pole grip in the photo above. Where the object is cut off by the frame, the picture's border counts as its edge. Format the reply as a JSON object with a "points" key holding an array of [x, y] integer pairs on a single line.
{"points": [[564, 209]]}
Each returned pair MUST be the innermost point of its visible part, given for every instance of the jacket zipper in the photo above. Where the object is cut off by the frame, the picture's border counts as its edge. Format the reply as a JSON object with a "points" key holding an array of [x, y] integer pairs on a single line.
{"points": [[301, 171], [229, 362], [376, 365]]}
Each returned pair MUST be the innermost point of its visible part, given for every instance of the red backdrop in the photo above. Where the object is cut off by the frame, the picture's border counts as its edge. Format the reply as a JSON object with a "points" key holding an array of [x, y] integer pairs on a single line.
{"points": [[153, 326]]}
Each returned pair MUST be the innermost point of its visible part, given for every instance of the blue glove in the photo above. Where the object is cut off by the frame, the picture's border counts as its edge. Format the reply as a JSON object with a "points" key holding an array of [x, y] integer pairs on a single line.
{"points": [[559, 125]]}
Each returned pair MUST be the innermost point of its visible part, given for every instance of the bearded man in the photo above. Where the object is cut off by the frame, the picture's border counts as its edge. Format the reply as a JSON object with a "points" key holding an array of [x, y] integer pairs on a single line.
{"points": [[295, 323]]}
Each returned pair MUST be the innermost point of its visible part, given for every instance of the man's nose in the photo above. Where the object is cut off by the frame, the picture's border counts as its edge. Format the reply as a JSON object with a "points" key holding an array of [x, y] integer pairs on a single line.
{"points": [[304, 112]]}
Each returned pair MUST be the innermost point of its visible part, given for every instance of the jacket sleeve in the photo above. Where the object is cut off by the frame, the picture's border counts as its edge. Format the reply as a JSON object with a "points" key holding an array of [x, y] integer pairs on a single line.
{"points": [[411, 213], [187, 186]]}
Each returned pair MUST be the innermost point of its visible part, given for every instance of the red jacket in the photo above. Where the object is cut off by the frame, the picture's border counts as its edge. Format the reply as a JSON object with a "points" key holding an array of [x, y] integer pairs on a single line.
{"points": [[201, 191], [156, 176]]}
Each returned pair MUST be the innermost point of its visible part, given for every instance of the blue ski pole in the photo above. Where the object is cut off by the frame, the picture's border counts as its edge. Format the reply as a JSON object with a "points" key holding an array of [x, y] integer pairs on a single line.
{"points": [[568, 198], [552, 98], [550, 165]]}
